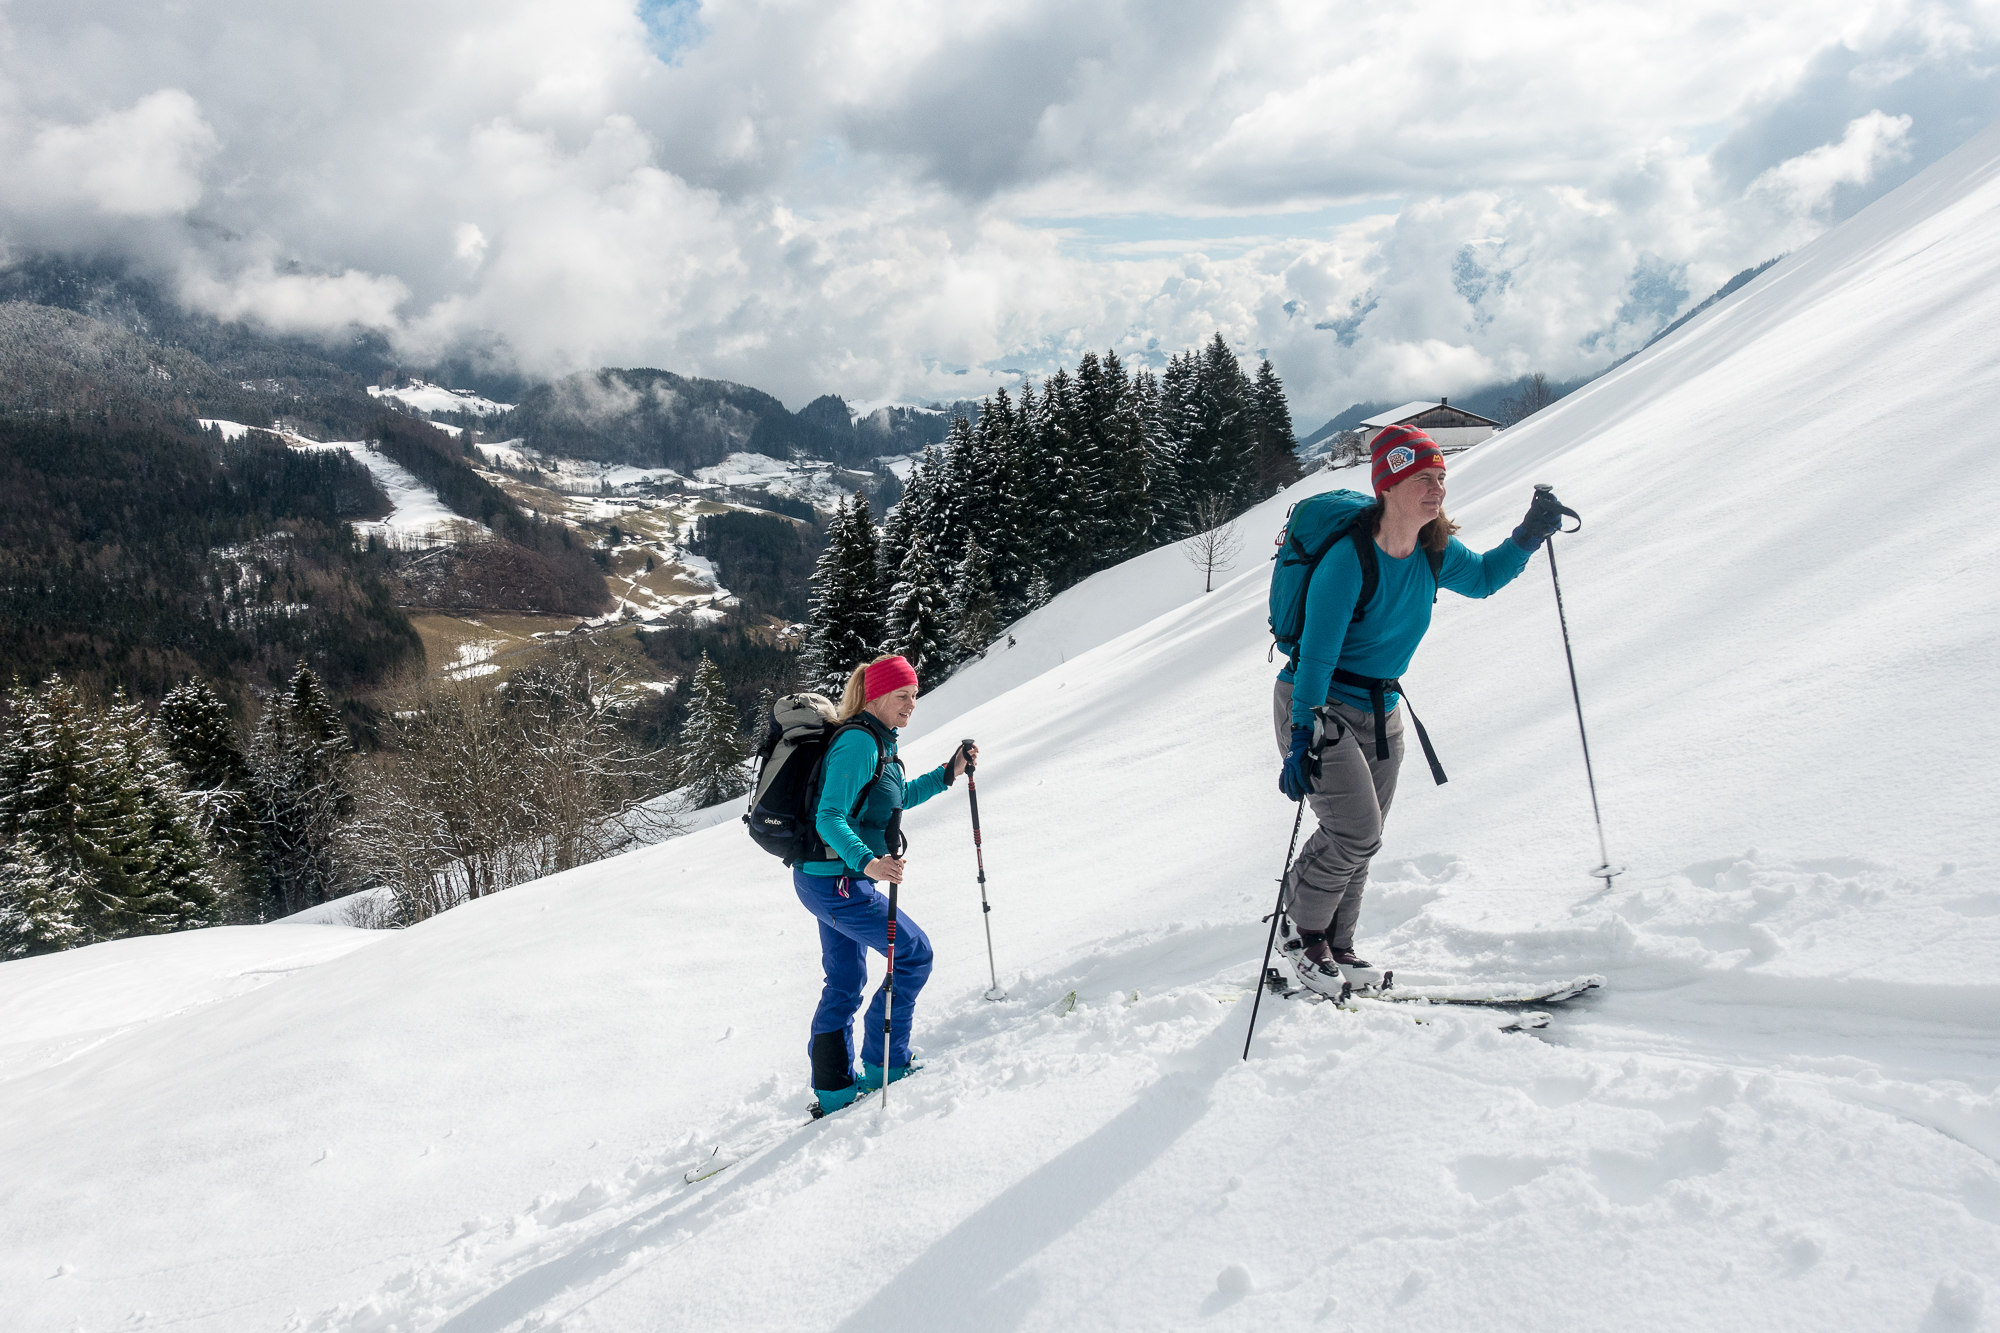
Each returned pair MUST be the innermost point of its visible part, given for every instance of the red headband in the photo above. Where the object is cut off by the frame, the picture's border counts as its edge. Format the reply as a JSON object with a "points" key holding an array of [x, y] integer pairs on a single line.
{"points": [[887, 676]]}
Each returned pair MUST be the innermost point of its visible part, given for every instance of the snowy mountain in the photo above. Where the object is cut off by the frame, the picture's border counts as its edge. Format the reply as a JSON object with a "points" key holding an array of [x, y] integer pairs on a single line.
{"points": [[1782, 1111]]}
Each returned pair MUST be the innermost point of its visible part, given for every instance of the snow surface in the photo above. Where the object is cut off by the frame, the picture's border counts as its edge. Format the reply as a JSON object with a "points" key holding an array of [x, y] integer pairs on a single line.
{"points": [[1783, 1111], [416, 512], [420, 396]]}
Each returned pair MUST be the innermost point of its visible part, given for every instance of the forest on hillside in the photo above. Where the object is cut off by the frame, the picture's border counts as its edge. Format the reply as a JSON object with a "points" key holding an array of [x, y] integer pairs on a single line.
{"points": [[1030, 495]]}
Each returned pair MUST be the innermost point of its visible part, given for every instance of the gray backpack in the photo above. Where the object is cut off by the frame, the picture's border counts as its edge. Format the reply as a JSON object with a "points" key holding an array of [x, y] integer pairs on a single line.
{"points": [[791, 762]]}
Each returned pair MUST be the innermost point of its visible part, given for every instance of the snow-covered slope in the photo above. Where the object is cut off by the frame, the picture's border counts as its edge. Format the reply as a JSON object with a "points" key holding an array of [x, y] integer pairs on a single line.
{"points": [[1781, 1113], [421, 396]]}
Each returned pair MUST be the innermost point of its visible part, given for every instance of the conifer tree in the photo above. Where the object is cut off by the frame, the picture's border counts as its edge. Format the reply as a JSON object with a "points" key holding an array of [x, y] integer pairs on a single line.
{"points": [[55, 814], [1277, 446], [1177, 412], [100, 833], [1128, 498], [194, 728], [1003, 530], [972, 604], [1039, 590], [170, 879], [301, 793], [920, 618], [847, 614], [952, 502], [1220, 443], [39, 910], [760, 721], [711, 758], [1099, 387], [1165, 500], [900, 527], [827, 596], [1064, 509]]}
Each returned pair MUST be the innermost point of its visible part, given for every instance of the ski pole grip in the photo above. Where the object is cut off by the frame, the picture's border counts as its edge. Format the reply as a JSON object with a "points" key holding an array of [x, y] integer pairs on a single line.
{"points": [[964, 748], [892, 837], [1543, 488]]}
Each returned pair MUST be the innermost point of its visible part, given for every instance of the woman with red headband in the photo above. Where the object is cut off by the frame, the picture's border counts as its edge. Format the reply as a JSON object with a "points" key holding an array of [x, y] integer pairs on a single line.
{"points": [[860, 792]]}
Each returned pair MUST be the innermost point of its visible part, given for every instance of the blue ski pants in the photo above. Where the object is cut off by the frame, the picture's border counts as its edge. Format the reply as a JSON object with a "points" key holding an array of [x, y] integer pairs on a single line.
{"points": [[854, 918]]}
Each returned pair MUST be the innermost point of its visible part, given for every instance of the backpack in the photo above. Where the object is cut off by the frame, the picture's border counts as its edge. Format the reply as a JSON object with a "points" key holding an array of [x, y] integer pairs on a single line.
{"points": [[791, 763], [1312, 526]]}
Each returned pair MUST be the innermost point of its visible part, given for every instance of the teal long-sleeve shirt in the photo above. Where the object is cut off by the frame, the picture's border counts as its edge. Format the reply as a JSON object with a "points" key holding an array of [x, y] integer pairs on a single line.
{"points": [[850, 764], [1381, 644]]}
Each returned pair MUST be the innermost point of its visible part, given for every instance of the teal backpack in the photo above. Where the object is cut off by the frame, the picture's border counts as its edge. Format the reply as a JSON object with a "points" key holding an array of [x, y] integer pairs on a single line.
{"points": [[1312, 526]]}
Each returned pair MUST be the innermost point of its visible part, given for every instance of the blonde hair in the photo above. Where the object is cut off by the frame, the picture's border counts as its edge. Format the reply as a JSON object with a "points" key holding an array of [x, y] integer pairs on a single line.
{"points": [[855, 697]]}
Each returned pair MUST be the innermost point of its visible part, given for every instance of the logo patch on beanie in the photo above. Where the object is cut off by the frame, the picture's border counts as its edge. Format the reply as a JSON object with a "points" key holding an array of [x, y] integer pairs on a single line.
{"points": [[1400, 457]]}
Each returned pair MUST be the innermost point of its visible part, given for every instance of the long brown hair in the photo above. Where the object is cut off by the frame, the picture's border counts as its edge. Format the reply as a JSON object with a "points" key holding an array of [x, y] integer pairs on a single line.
{"points": [[1432, 536], [855, 697]]}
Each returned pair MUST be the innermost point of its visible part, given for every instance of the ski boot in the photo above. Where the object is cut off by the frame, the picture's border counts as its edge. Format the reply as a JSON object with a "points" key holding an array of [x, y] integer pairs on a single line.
{"points": [[1312, 962]]}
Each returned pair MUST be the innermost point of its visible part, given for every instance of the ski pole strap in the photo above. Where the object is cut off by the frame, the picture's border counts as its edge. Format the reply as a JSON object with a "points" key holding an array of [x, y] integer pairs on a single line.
{"points": [[1378, 692]]}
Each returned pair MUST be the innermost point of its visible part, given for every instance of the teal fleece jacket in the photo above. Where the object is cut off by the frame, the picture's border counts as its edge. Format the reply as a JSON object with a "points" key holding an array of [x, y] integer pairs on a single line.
{"points": [[850, 763], [1382, 643]]}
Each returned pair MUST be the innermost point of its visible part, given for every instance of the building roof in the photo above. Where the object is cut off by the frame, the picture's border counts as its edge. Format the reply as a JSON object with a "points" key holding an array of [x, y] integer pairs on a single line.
{"points": [[1411, 411]]}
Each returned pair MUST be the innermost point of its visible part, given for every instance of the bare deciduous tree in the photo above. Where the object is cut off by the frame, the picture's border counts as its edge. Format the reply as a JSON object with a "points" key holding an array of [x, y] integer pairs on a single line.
{"points": [[1532, 395], [1216, 543], [1346, 450], [489, 789]]}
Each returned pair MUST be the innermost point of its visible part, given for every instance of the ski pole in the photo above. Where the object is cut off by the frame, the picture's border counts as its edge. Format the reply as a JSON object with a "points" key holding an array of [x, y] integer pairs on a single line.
{"points": [[1603, 870], [1272, 940], [890, 838], [979, 853]]}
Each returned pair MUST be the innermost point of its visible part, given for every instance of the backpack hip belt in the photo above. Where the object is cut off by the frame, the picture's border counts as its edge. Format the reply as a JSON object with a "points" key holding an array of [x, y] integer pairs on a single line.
{"points": [[1378, 692]]}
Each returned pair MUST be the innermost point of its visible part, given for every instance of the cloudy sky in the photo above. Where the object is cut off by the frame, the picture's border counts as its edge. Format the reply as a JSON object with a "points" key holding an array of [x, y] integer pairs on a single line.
{"points": [[919, 200]]}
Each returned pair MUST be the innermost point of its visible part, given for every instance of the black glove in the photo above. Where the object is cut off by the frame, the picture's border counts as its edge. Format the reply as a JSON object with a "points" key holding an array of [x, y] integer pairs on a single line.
{"points": [[1543, 520], [1301, 766]]}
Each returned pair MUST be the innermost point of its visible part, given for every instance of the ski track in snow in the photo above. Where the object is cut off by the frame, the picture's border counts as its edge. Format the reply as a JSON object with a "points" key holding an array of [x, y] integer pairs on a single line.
{"points": [[1782, 1111]]}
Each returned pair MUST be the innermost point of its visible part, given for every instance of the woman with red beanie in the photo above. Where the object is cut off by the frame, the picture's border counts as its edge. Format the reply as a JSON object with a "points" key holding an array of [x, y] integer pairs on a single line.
{"points": [[861, 790], [1349, 659]]}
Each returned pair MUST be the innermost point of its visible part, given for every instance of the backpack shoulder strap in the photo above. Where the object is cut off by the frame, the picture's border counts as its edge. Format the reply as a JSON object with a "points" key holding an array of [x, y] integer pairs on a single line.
{"points": [[1435, 559], [881, 758], [1371, 572]]}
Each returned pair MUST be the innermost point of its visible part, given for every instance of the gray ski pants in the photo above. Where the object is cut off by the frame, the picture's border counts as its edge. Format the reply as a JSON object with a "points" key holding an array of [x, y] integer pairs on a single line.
{"points": [[1350, 799]]}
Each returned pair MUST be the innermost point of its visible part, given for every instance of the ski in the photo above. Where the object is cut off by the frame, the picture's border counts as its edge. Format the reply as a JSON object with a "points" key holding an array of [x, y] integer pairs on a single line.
{"points": [[1500, 994], [1345, 985], [719, 1161], [1352, 999]]}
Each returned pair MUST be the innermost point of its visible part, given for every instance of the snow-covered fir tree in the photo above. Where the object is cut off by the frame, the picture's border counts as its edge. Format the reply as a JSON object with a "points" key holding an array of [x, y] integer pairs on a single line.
{"points": [[55, 811], [972, 605], [103, 840], [170, 875], [301, 793], [711, 755], [847, 614], [1039, 590], [39, 910], [920, 618], [195, 729], [1271, 420]]}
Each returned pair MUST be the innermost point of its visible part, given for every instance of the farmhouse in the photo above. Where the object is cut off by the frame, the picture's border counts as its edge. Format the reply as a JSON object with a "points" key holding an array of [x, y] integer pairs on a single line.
{"points": [[1453, 428]]}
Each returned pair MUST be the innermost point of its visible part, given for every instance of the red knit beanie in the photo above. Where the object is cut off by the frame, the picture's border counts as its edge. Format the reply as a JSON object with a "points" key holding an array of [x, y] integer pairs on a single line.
{"points": [[1400, 453], [887, 676]]}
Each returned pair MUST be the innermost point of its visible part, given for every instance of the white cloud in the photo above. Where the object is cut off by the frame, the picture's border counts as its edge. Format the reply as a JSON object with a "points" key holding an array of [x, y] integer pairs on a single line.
{"points": [[856, 196], [1807, 182], [144, 161], [297, 302]]}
